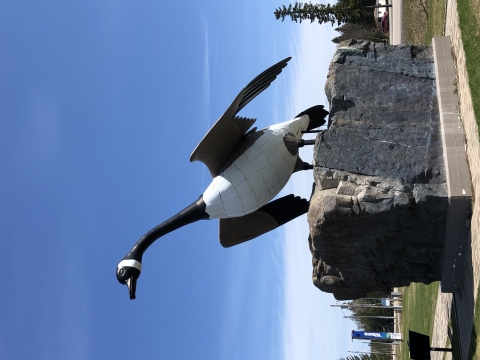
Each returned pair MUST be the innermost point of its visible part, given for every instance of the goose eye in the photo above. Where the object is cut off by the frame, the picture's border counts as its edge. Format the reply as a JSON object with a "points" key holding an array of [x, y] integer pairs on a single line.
{"points": [[121, 271]]}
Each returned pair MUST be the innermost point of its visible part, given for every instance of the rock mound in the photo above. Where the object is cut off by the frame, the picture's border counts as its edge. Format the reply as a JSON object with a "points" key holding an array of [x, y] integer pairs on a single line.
{"points": [[377, 215]]}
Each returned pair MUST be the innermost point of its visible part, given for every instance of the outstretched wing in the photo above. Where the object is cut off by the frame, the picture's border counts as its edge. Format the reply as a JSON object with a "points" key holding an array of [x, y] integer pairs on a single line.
{"points": [[229, 130], [234, 231]]}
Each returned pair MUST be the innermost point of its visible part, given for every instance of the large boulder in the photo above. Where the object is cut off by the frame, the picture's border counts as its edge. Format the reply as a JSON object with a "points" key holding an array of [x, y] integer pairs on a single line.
{"points": [[377, 214]]}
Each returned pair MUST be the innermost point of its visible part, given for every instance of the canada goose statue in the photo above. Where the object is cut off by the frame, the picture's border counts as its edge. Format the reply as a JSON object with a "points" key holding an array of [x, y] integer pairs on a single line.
{"points": [[249, 168]]}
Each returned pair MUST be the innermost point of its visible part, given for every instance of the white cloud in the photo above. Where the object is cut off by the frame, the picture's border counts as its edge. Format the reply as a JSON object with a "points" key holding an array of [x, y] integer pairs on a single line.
{"points": [[234, 300], [306, 327], [311, 328]]}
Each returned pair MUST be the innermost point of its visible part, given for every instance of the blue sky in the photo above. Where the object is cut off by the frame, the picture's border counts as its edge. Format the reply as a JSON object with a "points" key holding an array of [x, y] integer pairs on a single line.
{"points": [[101, 104]]}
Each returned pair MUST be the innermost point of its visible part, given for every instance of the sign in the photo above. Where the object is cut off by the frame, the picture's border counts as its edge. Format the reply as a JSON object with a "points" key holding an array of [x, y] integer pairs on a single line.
{"points": [[376, 335]]}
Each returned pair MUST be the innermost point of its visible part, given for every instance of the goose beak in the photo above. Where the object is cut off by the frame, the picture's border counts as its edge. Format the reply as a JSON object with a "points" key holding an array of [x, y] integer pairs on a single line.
{"points": [[132, 287]]}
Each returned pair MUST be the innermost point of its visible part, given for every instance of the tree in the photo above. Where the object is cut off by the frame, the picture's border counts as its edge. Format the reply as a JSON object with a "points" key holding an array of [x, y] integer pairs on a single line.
{"points": [[352, 11], [356, 17], [367, 357], [359, 31], [372, 324]]}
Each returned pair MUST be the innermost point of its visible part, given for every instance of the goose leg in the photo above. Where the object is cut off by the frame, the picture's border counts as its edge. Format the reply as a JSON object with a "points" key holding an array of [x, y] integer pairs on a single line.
{"points": [[302, 142], [311, 131], [302, 165], [307, 166]]}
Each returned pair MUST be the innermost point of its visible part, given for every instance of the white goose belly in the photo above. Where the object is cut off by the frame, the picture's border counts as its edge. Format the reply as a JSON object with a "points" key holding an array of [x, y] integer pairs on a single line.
{"points": [[256, 176]]}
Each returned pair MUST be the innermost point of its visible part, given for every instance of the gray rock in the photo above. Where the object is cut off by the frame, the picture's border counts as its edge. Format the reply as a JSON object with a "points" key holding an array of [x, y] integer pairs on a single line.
{"points": [[377, 215]]}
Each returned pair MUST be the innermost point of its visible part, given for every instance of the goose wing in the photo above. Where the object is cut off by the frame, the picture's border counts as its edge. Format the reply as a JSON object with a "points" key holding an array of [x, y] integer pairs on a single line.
{"points": [[229, 130], [234, 231]]}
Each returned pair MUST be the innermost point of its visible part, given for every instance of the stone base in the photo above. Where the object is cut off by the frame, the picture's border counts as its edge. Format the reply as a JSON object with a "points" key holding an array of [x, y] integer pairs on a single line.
{"points": [[377, 215]]}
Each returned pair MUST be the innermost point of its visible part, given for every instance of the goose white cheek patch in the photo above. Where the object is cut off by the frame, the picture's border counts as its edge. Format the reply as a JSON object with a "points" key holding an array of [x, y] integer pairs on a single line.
{"points": [[131, 263]]}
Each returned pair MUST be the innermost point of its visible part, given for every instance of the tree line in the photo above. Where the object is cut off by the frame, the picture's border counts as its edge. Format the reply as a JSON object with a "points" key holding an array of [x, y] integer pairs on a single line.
{"points": [[354, 18], [372, 324], [366, 357]]}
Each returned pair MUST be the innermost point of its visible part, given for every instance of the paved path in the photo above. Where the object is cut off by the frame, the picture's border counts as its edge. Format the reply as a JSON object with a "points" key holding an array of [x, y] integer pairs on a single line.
{"points": [[395, 34], [440, 328], [464, 301]]}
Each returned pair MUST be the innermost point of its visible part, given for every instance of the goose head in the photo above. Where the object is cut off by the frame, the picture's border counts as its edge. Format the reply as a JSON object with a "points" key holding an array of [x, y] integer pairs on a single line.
{"points": [[128, 271]]}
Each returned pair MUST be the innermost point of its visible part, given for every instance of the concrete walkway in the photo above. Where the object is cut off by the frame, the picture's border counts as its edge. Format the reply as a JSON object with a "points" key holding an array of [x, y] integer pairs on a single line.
{"points": [[440, 327], [395, 34], [464, 302]]}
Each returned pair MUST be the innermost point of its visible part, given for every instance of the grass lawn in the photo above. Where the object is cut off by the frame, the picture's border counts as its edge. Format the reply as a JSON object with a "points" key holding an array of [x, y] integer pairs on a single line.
{"points": [[423, 20], [419, 302], [414, 21], [474, 351], [436, 20], [469, 16]]}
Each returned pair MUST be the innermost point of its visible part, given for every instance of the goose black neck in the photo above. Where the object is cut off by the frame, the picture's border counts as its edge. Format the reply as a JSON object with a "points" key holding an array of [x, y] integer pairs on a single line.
{"points": [[190, 214]]}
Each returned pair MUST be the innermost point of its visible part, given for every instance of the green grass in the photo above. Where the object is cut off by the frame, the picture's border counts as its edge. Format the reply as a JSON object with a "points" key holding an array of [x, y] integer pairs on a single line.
{"points": [[414, 22], [436, 20], [419, 302], [474, 350], [469, 16], [419, 26], [422, 20]]}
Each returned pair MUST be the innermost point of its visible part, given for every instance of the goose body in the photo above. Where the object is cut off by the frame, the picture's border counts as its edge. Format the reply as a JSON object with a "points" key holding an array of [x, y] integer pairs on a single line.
{"points": [[248, 168], [258, 174]]}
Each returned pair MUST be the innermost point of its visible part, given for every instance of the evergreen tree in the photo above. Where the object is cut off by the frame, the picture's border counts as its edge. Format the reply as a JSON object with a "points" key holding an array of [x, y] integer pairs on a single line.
{"points": [[372, 324], [359, 31], [352, 11], [367, 357]]}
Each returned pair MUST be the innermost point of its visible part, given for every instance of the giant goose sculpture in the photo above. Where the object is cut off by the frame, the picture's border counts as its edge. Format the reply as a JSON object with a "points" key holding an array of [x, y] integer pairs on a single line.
{"points": [[249, 168]]}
